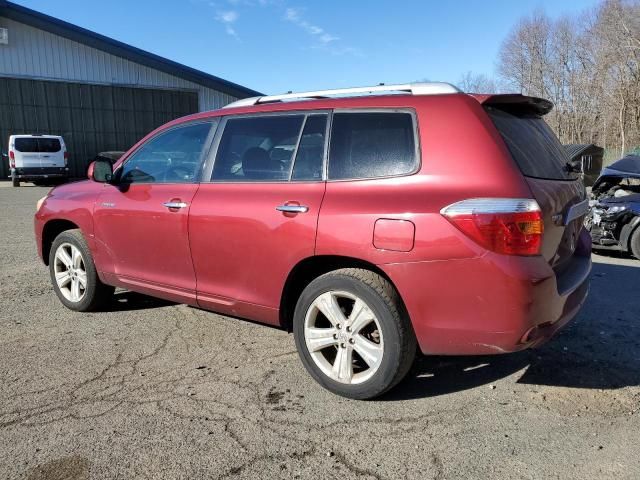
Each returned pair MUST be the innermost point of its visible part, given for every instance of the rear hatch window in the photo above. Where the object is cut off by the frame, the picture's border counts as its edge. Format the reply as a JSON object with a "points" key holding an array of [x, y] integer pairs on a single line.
{"points": [[533, 145], [49, 145], [37, 145], [26, 144]]}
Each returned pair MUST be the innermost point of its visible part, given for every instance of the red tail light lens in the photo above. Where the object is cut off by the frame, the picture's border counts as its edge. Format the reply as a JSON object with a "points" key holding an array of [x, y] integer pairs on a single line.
{"points": [[12, 159], [66, 158], [502, 225]]}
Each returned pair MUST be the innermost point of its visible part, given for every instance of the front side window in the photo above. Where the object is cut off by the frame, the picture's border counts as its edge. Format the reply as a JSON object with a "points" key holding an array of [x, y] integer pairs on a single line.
{"points": [[371, 144], [171, 157], [257, 149]]}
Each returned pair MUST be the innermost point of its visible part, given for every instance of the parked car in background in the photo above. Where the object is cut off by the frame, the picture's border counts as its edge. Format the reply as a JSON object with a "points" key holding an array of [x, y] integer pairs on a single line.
{"points": [[614, 219], [37, 158], [369, 225]]}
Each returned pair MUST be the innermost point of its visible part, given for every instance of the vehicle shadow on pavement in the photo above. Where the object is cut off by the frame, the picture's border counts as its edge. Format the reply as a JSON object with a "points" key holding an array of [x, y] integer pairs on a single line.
{"points": [[599, 350], [128, 301]]}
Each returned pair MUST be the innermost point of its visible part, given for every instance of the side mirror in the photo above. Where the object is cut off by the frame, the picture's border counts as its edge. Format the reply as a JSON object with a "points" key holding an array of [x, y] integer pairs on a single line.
{"points": [[100, 171]]}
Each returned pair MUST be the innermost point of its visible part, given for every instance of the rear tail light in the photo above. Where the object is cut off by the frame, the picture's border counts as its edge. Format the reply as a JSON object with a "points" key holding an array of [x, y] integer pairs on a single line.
{"points": [[66, 158], [511, 226], [12, 159]]}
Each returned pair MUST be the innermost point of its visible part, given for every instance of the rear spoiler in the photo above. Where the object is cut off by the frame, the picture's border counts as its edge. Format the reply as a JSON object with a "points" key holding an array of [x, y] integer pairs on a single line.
{"points": [[516, 104]]}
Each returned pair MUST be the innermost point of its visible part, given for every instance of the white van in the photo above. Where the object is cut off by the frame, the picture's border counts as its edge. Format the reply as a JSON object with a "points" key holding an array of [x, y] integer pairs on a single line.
{"points": [[37, 158]]}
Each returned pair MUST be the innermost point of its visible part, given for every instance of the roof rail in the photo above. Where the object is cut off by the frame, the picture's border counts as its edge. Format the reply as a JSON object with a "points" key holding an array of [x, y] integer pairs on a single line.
{"points": [[419, 88]]}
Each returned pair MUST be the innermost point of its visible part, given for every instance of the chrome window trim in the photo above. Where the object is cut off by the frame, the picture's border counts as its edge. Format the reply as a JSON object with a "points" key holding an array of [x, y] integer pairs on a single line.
{"points": [[416, 141], [214, 123], [213, 151]]}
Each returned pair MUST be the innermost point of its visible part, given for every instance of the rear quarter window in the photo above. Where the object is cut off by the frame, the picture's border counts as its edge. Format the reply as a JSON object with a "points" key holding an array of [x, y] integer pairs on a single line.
{"points": [[533, 145], [372, 144]]}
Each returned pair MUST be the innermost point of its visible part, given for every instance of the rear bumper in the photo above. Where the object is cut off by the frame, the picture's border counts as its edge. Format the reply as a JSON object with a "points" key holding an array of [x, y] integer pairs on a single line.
{"points": [[35, 173], [491, 304]]}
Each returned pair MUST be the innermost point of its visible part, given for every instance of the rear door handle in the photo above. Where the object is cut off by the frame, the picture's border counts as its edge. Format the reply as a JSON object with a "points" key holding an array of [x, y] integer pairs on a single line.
{"points": [[292, 208], [173, 205]]}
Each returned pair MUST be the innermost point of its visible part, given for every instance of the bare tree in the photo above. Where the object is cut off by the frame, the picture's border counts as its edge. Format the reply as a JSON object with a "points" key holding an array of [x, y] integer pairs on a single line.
{"points": [[477, 83], [588, 65]]}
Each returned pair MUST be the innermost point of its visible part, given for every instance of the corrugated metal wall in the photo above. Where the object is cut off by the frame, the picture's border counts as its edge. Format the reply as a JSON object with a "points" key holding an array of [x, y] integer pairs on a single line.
{"points": [[35, 53], [91, 118], [97, 101]]}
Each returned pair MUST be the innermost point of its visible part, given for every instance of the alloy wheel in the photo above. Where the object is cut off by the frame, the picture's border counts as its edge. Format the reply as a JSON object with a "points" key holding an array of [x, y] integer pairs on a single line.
{"points": [[343, 337], [70, 272]]}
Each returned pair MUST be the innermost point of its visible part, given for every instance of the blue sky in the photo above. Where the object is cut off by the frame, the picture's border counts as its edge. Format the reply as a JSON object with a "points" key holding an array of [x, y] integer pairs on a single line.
{"points": [[279, 45]]}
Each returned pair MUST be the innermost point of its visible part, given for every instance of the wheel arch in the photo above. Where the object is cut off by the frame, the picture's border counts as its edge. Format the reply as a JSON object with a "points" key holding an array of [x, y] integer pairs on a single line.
{"points": [[306, 270], [50, 231]]}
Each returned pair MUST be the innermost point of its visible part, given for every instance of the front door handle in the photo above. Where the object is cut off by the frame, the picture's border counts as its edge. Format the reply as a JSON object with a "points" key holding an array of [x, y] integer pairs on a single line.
{"points": [[175, 205], [292, 208]]}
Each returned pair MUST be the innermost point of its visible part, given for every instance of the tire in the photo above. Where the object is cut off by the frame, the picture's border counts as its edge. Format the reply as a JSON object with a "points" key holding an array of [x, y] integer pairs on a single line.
{"points": [[634, 242], [376, 347], [94, 294], [15, 181]]}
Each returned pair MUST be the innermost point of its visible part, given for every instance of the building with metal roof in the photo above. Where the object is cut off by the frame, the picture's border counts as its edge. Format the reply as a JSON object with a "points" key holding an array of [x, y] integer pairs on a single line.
{"points": [[590, 157], [98, 93]]}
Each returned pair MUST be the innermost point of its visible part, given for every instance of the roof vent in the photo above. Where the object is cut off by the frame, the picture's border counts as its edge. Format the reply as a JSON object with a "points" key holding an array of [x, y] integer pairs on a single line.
{"points": [[4, 36]]}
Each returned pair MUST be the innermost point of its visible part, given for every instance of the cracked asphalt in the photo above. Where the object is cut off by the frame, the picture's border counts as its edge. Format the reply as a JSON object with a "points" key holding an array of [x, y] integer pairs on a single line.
{"points": [[150, 389]]}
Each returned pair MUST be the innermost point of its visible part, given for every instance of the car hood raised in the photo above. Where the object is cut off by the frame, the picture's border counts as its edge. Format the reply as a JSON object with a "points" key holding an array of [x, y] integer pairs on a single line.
{"points": [[627, 167]]}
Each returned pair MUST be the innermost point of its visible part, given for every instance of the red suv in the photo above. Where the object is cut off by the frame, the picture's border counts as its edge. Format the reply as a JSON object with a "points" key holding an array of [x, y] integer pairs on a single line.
{"points": [[369, 225]]}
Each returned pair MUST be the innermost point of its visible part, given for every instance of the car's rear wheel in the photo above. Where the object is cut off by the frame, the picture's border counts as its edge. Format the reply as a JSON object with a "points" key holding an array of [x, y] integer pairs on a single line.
{"points": [[15, 181], [353, 334], [635, 243], [73, 273]]}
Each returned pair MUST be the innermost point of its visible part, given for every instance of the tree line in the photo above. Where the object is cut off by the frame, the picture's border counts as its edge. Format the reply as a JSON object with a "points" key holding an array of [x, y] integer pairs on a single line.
{"points": [[588, 65]]}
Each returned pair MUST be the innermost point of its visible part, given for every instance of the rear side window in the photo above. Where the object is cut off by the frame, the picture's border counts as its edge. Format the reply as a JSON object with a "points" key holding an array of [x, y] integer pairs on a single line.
{"points": [[371, 144], [37, 145], [533, 145], [257, 149]]}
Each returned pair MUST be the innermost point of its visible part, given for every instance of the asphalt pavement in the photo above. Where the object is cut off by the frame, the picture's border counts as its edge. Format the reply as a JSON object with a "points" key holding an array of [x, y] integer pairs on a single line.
{"points": [[150, 389]]}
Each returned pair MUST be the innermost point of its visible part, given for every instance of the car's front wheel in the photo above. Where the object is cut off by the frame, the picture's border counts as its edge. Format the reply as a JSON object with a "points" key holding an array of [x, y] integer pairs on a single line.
{"points": [[73, 273], [352, 333]]}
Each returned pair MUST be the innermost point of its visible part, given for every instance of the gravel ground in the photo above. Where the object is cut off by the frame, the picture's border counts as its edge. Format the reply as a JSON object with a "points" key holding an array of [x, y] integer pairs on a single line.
{"points": [[155, 390]]}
